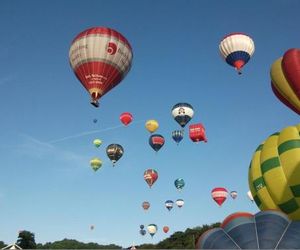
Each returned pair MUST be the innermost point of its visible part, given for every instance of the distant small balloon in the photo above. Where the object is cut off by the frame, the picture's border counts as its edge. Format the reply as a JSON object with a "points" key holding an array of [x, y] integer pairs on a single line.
{"points": [[95, 163], [95, 120], [97, 143]]}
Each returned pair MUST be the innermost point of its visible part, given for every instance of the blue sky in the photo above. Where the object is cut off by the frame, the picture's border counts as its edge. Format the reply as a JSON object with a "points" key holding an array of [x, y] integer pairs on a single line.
{"points": [[47, 129]]}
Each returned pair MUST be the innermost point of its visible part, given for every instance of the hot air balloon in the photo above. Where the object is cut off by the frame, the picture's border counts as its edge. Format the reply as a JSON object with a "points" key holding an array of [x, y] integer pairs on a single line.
{"points": [[177, 136], [151, 125], [250, 196], [143, 232], [95, 120], [236, 49], [152, 229], [242, 230], [179, 183], [197, 132], [150, 176], [142, 226], [114, 152], [126, 118], [92, 227], [156, 142], [179, 203], [166, 229], [182, 113], [97, 143], [145, 205], [169, 204], [274, 172], [100, 58], [285, 79], [95, 163], [233, 194], [219, 195]]}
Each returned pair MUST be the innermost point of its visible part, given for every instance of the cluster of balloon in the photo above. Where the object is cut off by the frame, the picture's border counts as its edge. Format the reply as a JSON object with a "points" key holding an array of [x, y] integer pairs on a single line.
{"points": [[146, 205], [126, 118], [285, 79], [236, 49], [156, 141], [264, 230], [114, 152], [95, 163], [274, 172], [142, 230], [179, 184], [100, 58], [150, 176], [219, 194], [152, 229]]}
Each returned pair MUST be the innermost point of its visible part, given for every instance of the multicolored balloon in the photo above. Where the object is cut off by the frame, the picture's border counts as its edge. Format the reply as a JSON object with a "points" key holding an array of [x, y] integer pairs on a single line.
{"points": [[285, 76], [166, 229], [151, 125], [197, 132], [97, 143], [156, 142], [233, 194], [182, 113], [177, 136], [114, 152], [265, 230], [169, 204], [179, 183], [95, 163], [274, 172], [146, 205], [150, 176], [219, 194], [152, 229], [126, 118], [237, 49], [100, 58], [179, 203]]}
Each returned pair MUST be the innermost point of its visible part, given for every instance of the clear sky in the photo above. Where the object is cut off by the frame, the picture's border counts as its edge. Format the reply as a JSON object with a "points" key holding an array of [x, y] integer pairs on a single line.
{"points": [[47, 129]]}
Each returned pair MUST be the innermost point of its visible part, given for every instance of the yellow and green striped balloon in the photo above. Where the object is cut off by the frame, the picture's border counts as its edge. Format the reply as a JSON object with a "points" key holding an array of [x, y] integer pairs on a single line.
{"points": [[274, 173]]}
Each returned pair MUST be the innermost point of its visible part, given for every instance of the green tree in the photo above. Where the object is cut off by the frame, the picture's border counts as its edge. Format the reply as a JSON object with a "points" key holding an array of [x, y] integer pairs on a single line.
{"points": [[2, 244], [26, 240]]}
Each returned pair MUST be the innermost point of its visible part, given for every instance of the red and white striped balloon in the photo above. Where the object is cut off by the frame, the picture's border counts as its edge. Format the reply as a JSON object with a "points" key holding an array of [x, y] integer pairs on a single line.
{"points": [[219, 194]]}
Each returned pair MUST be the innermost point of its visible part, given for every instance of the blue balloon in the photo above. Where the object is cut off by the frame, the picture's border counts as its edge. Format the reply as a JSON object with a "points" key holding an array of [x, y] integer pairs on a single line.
{"points": [[177, 135], [179, 183], [156, 141]]}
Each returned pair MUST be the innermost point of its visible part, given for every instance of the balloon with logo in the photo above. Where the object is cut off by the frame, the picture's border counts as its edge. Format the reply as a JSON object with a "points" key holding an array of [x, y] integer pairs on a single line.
{"points": [[177, 136], [274, 172], [197, 132], [150, 176], [152, 229], [146, 205], [179, 183], [166, 229], [151, 125], [156, 142], [95, 163], [179, 203], [219, 194], [100, 58], [169, 204], [126, 118], [237, 49], [233, 194], [182, 113], [114, 152], [97, 143], [285, 79]]}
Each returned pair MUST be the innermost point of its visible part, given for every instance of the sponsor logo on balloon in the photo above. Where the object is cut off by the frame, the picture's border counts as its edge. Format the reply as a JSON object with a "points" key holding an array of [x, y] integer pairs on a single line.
{"points": [[111, 48]]}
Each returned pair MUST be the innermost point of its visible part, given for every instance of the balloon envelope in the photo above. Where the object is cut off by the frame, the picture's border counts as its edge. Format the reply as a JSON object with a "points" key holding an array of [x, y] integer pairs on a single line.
{"points": [[219, 194], [177, 135], [169, 204], [156, 142], [179, 183], [95, 163], [150, 176], [151, 125], [145, 205], [236, 49], [264, 230], [100, 58], [233, 194], [179, 203], [97, 143], [114, 152], [197, 132], [166, 229], [126, 118], [182, 113], [143, 232], [152, 229]]}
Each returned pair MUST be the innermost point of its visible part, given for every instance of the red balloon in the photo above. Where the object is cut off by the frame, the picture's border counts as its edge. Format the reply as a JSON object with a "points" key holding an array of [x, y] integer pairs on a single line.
{"points": [[150, 176], [145, 205], [197, 132], [126, 118], [219, 195], [166, 229], [100, 58]]}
